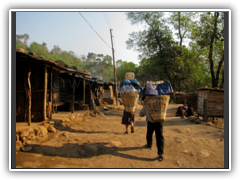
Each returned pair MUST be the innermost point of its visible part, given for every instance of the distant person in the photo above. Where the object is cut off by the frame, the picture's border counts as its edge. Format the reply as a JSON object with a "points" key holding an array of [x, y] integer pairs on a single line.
{"points": [[151, 127], [128, 119], [185, 110]]}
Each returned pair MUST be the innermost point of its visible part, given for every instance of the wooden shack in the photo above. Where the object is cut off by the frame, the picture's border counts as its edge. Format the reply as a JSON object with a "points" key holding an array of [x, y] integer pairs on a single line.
{"points": [[109, 96], [84, 88], [36, 82], [210, 102]]}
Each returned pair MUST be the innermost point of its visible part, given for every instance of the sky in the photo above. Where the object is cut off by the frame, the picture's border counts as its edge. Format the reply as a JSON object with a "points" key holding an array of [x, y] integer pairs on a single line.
{"points": [[71, 32]]}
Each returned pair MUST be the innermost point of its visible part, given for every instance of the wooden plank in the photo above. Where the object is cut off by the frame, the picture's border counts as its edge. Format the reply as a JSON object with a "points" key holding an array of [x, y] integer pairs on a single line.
{"points": [[29, 94], [216, 99], [45, 94], [216, 103], [73, 91], [215, 113], [205, 111]]}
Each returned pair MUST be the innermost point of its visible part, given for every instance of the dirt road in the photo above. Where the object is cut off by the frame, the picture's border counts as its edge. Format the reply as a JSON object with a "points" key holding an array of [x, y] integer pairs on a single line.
{"points": [[100, 142]]}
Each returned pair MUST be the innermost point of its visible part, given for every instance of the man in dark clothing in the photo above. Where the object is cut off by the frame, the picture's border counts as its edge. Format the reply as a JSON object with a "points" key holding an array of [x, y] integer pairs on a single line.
{"points": [[151, 127], [185, 111]]}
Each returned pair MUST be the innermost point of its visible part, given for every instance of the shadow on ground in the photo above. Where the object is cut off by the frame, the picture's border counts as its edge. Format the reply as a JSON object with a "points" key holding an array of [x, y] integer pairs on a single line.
{"points": [[61, 127], [172, 122], [74, 150]]}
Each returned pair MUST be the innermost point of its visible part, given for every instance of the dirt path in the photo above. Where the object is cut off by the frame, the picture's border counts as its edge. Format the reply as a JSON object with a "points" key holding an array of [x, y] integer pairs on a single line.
{"points": [[100, 142]]}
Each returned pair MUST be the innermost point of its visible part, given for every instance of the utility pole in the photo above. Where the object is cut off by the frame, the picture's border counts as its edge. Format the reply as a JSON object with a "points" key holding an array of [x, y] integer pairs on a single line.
{"points": [[114, 68]]}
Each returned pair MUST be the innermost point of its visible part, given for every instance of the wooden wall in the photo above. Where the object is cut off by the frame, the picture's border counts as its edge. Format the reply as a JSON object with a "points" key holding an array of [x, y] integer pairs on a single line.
{"points": [[202, 94], [37, 85], [57, 84], [215, 102], [21, 80], [37, 89]]}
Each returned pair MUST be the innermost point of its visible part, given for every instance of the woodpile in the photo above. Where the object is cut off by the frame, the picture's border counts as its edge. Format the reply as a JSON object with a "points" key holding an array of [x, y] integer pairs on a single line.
{"points": [[190, 98]]}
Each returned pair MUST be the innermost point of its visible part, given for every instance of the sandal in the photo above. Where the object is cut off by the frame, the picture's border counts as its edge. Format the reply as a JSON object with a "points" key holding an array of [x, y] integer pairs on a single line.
{"points": [[126, 132]]}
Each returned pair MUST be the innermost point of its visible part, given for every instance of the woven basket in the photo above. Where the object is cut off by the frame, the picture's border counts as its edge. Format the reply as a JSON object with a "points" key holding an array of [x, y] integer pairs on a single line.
{"points": [[157, 106], [129, 101], [129, 75]]}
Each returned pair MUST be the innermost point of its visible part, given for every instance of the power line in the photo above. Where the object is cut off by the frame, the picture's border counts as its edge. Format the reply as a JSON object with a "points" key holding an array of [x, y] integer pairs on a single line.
{"points": [[95, 31], [106, 20]]}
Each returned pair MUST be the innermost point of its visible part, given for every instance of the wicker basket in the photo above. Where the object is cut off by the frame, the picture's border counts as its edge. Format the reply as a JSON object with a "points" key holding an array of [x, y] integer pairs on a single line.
{"points": [[129, 75], [129, 98], [157, 106]]}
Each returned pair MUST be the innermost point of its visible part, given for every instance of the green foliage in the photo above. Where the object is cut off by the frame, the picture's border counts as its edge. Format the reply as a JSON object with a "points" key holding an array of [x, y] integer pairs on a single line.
{"points": [[122, 67], [209, 35], [163, 58], [182, 23], [100, 66], [41, 49]]}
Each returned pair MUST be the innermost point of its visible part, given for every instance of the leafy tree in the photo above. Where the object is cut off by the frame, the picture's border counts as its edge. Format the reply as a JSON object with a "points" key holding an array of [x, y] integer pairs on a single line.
{"points": [[21, 41], [56, 50], [91, 56], [165, 59], [182, 23], [209, 34], [157, 44], [122, 67], [41, 49], [100, 66]]}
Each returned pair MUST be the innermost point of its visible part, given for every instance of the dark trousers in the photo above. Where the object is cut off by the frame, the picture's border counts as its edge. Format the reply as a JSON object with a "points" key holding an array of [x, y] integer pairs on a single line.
{"points": [[158, 128]]}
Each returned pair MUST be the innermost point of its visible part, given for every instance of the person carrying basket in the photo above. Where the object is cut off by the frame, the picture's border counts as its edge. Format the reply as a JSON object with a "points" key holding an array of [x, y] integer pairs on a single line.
{"points": [[151, 127], [156, 99]]}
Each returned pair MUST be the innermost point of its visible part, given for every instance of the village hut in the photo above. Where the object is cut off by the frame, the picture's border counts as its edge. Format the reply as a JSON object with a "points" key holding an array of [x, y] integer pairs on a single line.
{"points": [[38, 86], [210, 102]]}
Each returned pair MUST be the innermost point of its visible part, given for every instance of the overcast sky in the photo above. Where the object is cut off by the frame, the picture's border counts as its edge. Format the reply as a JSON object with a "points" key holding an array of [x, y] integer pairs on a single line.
{"points": [[70, 31]]}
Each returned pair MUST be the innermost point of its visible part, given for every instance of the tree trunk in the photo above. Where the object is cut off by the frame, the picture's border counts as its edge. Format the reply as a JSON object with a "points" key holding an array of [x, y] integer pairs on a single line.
{"points": [[214, 80], [222, 84]]}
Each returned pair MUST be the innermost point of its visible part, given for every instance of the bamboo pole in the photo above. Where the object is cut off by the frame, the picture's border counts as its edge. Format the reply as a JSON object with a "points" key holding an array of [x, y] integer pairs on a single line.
{"points": [[26, 94], [73, 91], [50, 93], [29, 95], [84, 82], [45, 93]]}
